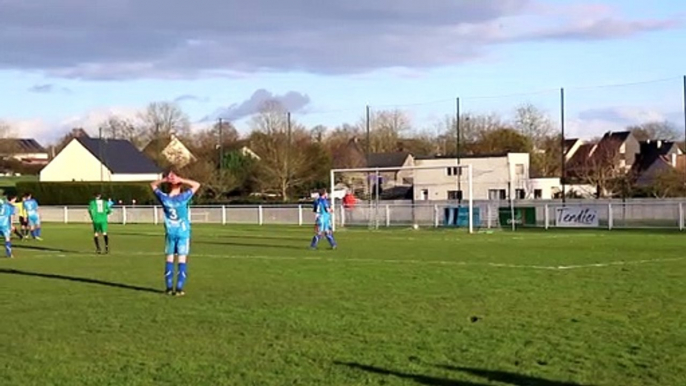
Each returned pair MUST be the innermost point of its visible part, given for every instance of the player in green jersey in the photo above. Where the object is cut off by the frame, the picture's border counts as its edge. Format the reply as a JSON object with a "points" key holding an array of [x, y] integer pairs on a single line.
{"points": [[99, 210]]}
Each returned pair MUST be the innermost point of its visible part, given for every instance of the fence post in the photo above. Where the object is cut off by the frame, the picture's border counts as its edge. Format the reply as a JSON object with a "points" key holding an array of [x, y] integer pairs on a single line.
{"points": [[223, 214], [546, 215], [123, 215], [300, 215], [388, 216], [66, 215], [260, 215], [681, 216], [436, 216], [488, 215], [155, 220], [610, 220]]}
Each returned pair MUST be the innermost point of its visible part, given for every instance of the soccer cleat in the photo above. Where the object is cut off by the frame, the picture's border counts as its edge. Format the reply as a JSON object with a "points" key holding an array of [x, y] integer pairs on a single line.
{"points": [[107, 250], [98, 252], [169, 292], [39, 238], [179, 293]]}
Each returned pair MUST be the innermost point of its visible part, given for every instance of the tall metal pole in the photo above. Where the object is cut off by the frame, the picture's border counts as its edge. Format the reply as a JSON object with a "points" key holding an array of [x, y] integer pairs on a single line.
{"points": [[220, 130], [102, 159], [458, 150], [288, 149], [158, 143], [369, 136], [684, 119], [563, 169]]}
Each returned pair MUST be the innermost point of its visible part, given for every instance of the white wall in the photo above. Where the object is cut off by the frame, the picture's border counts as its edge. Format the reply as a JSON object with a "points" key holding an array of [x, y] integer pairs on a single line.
{"points": [[548, 188], [118, 177], [489, 174], [74, 163]]}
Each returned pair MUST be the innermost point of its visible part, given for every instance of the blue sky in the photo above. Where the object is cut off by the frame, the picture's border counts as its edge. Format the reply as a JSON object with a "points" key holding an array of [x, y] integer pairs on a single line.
{"points": [[328, 62]]}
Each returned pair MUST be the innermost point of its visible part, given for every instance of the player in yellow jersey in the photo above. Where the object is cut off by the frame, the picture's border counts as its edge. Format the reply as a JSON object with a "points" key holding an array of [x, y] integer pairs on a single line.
{"points": [[19, 210]]}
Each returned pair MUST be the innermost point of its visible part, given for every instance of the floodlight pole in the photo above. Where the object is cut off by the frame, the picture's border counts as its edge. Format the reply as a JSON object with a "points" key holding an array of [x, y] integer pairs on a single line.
{"points": [[684, 90], [220, 130], [563, 169]]}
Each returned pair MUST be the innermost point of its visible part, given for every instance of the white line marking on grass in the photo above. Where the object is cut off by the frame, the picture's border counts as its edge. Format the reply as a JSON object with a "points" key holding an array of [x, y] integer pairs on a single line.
{"points": [[397, 261]]}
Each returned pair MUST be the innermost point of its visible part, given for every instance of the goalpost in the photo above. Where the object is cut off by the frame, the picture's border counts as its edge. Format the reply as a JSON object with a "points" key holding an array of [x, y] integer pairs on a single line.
{"points": [[441, 183]]}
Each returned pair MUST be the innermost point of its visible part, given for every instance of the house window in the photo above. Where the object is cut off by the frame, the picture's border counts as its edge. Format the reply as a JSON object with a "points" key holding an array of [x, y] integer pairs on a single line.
{"points": [[497, 194], [454, 195], [425, 194], [520, 194], [538, 194], [519, 169], [454, 171]]}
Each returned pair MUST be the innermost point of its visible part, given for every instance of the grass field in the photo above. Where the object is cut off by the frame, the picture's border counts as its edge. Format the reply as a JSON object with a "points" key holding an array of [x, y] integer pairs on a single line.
{"points": [[395, 307]]}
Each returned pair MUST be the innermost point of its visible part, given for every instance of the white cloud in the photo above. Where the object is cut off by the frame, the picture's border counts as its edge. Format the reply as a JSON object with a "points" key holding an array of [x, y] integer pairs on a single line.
{"points": [[595, 122], [123, 39]]}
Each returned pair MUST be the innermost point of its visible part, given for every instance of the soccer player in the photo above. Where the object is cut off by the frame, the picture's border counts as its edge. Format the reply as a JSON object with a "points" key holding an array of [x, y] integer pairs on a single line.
{"points": [[177, 227], [6, 215], [322, 208], [98, 209], [32, 215], [19, 209]]}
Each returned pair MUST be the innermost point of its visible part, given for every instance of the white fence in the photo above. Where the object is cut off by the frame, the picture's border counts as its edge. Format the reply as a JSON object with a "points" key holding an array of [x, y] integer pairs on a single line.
{"points": [[611, 214]]}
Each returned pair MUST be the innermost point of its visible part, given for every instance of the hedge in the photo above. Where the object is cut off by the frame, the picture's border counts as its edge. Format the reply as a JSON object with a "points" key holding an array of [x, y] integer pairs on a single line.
{"points": [[80, 193]]}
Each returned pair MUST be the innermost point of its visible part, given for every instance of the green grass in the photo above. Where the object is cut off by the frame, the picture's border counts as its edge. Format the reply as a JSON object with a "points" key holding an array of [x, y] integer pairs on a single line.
{"points": [[395, 307], [12, 181]]}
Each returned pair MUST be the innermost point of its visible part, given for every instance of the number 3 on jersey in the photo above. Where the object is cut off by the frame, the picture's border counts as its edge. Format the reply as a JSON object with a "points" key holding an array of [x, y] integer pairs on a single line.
{"points": [[173, 215]]}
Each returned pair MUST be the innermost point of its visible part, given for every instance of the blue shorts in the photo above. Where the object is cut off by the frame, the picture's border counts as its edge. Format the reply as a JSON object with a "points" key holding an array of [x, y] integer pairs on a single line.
{"points": [[177, 245], [324, 224], [34, 221], [5, 232]]}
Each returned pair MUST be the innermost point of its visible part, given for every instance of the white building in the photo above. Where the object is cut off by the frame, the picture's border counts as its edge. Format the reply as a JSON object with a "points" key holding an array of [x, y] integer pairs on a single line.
{"points": [[172, 149], [95, 160], [494, 177]]}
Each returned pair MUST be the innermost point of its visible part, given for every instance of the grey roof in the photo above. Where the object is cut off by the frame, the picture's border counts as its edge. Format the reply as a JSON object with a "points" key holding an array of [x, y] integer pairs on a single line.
{"points": [[22, 145], [387, 160], [119, 155]]}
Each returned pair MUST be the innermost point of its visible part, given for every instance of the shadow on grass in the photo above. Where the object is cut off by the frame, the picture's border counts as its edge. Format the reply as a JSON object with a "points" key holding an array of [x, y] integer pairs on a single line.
{"points": [[507, 377], [251, 237], [492, 376], [6, 271], [418, 378], [305, 245], [44, 248]]}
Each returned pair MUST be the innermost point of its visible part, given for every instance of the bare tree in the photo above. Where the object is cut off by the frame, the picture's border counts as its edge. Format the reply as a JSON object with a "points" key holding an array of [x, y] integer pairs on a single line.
{"points": [[161, 119], [665, 131], [533, 123], [284, 160], [386, 127], [116, 127], [6, 133], [603, 170]]}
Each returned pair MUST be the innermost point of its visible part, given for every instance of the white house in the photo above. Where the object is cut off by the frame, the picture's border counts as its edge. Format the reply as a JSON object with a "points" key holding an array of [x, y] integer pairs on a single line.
{"points": [[26, 150], [172, 149], [494, 177], [96, 160]]}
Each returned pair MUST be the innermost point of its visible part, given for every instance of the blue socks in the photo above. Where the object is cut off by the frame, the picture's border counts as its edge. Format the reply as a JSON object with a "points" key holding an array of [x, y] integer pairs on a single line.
{"points": [[329, 238], [8, 248], [33, 233], [169, 275], [181, 277], [332, 242]]}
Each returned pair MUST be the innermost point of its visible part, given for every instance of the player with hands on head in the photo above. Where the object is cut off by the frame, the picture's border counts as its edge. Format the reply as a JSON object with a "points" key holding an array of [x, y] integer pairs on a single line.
{"points": [[177, 227]]}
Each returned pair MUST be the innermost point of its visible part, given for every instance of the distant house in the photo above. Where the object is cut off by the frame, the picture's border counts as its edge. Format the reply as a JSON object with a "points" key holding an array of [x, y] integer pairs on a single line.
{"points": [[92, 159], [25, 150], [171, 149], [242, 148], [494, 177], [396, 183], [615, 152], [655, 158]]}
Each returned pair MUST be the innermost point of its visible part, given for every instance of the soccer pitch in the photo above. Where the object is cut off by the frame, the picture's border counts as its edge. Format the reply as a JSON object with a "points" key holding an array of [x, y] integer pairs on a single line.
{"points": [[394, 307]]}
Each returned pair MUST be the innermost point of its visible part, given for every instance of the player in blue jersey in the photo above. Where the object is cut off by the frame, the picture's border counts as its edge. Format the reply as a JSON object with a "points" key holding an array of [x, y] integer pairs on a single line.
{"points": [[33, 216], [7, 211], [177, 227], [322, 208]]}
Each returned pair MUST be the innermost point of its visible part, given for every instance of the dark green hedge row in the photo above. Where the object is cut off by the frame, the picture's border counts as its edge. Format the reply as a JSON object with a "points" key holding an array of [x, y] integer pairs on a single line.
{"points": [[80, 193]]}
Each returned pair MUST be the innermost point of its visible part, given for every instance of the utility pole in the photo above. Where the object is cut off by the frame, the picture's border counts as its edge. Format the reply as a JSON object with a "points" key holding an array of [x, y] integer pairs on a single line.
{"points": [[563, 169]]}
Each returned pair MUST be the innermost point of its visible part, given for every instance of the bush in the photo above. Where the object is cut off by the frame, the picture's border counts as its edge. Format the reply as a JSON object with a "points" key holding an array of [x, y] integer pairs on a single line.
{"points": [[80, 193]]}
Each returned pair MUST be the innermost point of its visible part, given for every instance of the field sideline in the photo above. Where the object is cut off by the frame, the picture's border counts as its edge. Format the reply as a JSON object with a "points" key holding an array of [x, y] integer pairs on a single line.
{"points": [[405, 307]]}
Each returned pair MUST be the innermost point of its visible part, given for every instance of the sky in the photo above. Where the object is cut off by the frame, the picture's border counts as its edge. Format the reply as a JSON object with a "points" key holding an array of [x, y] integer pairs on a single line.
{"points": [[74, 63]]}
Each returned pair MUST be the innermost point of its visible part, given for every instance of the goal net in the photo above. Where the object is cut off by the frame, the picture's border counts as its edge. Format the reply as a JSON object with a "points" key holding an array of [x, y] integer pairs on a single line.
{"points": [[430, 195]]}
